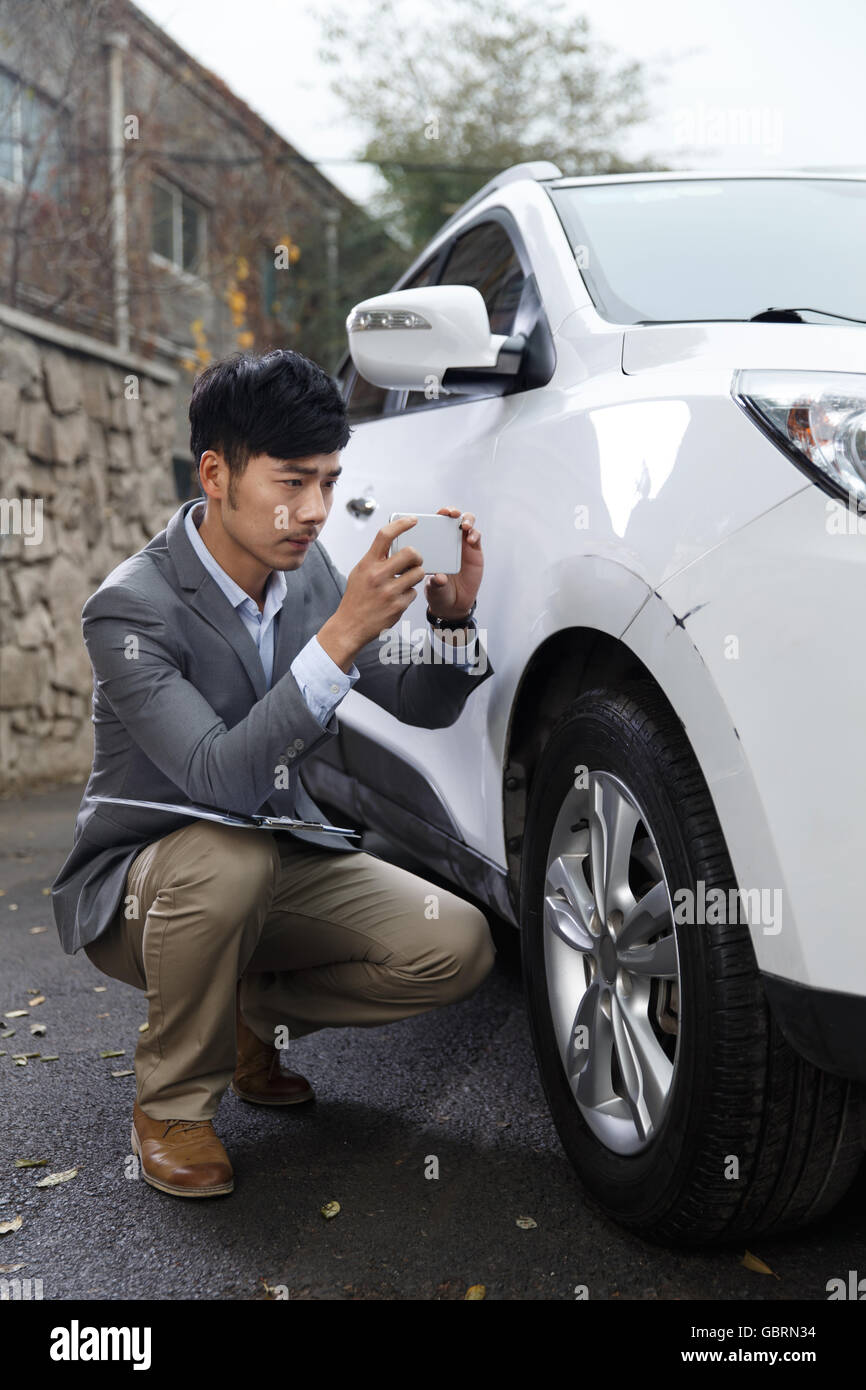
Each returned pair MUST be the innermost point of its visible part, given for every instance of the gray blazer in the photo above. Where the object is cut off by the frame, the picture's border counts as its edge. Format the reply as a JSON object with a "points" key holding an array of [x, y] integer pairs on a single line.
{"points": [[181, 712]]}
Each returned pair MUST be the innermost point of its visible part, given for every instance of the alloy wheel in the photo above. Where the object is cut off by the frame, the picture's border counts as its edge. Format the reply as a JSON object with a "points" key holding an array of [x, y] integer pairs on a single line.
{"points": [[612, 962]]}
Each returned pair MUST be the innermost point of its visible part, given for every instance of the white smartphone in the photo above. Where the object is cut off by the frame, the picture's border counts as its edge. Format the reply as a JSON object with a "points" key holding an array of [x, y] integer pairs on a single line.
{"points": [[438, 539]]}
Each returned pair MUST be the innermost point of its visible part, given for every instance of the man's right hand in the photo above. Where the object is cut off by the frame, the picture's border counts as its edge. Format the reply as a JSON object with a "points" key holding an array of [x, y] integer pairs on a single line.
{"points": [[378, 591]]}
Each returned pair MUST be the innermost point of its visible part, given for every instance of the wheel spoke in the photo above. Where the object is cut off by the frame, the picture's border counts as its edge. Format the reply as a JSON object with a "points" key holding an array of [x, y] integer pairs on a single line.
{"points": [[614, 820], [646, 1070], [568, 902], [593, 1086], [650, 916], [657, 959]]}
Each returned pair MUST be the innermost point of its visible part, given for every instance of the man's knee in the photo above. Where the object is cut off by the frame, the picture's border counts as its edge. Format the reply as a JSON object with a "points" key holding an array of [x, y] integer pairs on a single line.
{"points": [[477, 954], [461, 953]]}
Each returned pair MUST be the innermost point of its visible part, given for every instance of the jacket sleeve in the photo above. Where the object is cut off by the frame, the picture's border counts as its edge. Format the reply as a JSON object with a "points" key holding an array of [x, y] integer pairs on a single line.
{"points": [[138, 668], [404, 679]]}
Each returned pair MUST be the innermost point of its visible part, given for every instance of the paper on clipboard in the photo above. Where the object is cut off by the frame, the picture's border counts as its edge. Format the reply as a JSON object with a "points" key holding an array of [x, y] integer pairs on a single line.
{"points": [[196, 812]]}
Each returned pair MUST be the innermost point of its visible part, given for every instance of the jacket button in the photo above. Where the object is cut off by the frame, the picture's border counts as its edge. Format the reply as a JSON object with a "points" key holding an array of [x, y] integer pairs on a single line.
{"points": [[290, 752], [299, 743], [335, 689]]}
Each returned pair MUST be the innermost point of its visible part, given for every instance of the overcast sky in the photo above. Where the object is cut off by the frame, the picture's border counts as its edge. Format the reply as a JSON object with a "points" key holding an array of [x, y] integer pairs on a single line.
{"points": [[763, 83]]}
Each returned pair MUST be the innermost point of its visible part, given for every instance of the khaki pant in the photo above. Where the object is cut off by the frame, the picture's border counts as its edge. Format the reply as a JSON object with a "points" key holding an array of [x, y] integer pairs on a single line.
{"points": [[318, 939]]}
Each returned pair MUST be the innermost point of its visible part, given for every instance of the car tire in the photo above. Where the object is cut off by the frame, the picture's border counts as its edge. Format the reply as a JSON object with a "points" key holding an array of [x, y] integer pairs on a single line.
{"points": [[684, 1111]]}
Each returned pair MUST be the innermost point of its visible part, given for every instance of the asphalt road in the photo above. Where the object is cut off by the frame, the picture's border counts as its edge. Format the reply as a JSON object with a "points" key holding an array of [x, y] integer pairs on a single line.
{"points": [[459, 1083]]}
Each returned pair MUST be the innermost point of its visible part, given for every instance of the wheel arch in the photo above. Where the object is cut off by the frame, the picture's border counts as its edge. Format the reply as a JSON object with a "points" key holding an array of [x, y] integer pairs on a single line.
{"points": [[651, 643]]}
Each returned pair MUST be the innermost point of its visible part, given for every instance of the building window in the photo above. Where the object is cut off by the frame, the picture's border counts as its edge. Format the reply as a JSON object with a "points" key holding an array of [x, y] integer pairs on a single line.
{"points": [[33, 138], [177, 227]]}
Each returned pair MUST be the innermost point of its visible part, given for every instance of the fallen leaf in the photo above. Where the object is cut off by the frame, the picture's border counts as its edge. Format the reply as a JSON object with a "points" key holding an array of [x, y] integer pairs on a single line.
{"points": [[38, 1030], [53, 1179], [31, 1163], [526, 1223], [8, 1033], [99, 989], [475, 1291], [143, 1027], [40, 999], [52, 1058], [16, 1013], [19, 1062], [13, 907], [330, 1209], [103, 1015], [123, 1073], [34, 931], [112, 1054], [45, 892], [6, 1227], [757, 1266], [10, 1269], [28, 1056]]}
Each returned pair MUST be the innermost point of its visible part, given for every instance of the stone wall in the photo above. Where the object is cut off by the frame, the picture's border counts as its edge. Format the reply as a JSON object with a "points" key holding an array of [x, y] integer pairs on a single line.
{"points": [[86, 479]]}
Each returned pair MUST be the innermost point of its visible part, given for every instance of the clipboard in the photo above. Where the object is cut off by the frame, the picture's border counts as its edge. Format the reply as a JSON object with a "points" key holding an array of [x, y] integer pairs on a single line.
{"points": [[196, 812]]}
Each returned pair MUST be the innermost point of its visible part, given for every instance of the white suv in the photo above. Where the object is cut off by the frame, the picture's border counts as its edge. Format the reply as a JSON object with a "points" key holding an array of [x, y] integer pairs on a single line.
{"points": [[651, 391]]}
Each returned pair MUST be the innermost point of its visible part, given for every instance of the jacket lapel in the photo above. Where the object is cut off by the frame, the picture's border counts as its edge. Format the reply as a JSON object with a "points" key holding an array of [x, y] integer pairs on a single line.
{"points": [[292, 622], [208, 599]]}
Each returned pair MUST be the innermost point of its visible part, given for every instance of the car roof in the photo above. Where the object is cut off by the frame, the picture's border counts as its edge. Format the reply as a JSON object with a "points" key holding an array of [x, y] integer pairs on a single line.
{"points": [[655, 176]]}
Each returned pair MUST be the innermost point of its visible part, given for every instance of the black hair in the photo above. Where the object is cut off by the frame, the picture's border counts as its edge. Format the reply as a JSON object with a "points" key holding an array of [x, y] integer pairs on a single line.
{"points": [[281, 404]]}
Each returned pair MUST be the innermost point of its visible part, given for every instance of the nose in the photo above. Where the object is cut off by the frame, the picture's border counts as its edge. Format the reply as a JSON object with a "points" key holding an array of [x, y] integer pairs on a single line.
{"points": [[312, 509]]}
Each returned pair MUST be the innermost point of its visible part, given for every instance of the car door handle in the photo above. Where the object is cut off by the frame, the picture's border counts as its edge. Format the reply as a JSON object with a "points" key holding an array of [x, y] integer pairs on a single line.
{"points": [[361, 506]]}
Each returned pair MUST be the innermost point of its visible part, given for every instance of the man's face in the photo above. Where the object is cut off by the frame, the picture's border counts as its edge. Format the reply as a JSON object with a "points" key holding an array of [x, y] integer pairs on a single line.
{"points": [[277, 503]]}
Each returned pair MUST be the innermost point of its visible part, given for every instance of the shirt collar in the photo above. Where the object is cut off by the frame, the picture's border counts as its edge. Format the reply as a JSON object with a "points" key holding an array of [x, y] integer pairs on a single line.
{"points": [[275, 590]]}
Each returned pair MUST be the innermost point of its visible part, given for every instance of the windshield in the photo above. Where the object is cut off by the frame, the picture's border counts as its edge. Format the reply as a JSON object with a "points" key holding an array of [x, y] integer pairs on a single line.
{"points": [[718, 248]]}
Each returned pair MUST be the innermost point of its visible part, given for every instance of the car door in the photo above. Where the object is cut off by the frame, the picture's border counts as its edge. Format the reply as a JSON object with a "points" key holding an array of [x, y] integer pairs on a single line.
{"points": [[414, 453]]}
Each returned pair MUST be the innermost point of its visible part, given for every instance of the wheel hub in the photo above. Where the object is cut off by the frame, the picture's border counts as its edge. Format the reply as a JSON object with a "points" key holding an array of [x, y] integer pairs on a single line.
{"points": [[607, 959]]}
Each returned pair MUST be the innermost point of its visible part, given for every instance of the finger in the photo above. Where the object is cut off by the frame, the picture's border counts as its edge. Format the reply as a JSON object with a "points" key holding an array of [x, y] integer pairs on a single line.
{"points": [[405, 560], [387, 533]]}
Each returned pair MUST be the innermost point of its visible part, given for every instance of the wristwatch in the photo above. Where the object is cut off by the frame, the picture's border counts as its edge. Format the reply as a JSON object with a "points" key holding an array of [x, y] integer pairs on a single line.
{"points": [[452, 622]]}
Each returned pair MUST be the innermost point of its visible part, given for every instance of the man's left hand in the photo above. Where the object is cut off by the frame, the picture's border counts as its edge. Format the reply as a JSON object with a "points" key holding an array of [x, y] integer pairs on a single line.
{"points": [[452, 595]]}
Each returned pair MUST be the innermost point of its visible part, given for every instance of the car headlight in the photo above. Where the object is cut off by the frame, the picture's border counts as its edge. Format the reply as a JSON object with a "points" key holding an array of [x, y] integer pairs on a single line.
{"points": [[817, 418]]}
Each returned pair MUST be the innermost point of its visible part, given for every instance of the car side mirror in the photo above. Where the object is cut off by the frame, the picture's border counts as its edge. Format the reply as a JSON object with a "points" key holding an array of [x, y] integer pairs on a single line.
{"points": [[410, 340]]}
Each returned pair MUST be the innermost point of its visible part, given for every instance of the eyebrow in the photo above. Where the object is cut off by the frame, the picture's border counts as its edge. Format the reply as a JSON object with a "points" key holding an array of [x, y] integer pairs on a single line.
{"points": [[287, 466]]}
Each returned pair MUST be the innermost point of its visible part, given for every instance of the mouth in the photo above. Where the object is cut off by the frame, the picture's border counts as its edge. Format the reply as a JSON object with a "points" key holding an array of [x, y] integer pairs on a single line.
{"points": [[302, 543]]}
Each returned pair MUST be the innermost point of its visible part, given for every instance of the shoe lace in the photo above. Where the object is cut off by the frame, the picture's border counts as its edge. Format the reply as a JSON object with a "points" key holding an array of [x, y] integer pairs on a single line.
{"points": [[187, 1125]]}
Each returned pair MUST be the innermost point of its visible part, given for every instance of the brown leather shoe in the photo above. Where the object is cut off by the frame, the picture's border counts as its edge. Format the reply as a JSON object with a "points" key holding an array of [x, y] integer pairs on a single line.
{"points": [[183, 1157], [258, 1075]]}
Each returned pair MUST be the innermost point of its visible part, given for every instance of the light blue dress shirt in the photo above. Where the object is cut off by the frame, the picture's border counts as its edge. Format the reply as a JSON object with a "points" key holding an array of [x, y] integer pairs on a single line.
{"points": [[320, 680]]}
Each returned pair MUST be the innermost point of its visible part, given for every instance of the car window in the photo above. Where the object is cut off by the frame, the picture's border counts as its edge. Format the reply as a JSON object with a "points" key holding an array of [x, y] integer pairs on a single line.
{"points": [[485, 258], [425, 276], [365, 401]]}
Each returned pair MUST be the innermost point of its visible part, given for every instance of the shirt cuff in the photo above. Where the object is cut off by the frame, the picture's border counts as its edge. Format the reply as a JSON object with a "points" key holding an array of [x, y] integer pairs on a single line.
{"points": [[321, 681], [451, 653]]}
